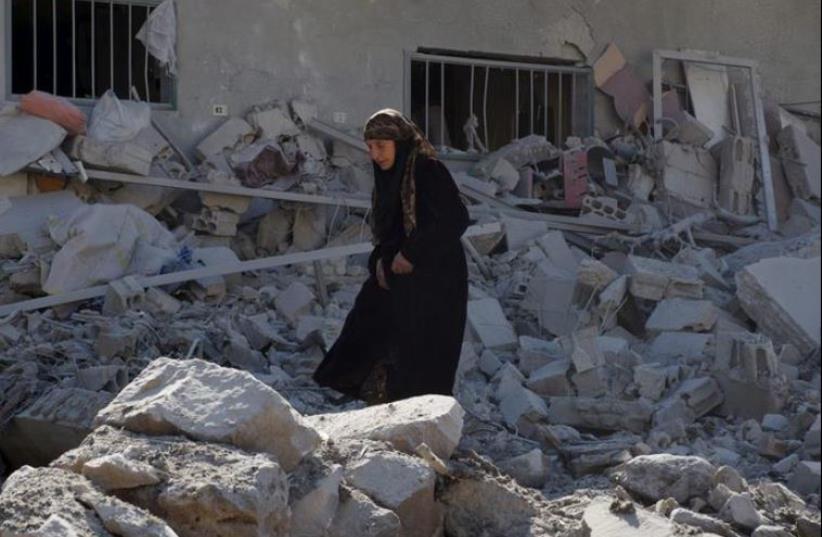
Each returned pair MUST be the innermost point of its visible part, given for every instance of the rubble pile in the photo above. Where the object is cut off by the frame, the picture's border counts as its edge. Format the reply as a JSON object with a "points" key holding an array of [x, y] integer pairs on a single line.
{"points": [[641, 355]]}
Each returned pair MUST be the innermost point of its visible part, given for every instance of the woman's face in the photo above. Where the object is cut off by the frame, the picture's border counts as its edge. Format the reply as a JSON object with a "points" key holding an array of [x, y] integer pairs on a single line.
{"points": [[383, 152]]}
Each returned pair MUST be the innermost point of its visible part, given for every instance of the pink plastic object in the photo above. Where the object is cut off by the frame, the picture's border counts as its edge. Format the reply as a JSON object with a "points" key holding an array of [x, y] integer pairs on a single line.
{"points": [[56, 109]]}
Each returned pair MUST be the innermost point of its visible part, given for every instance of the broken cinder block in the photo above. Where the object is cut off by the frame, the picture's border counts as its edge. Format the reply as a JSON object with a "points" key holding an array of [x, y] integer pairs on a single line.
{"points": [[122, 295], [654, 280]]}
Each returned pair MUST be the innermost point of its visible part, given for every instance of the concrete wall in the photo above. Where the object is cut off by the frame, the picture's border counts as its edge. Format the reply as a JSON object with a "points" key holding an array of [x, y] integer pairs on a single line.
{"points": [[349, 57]]}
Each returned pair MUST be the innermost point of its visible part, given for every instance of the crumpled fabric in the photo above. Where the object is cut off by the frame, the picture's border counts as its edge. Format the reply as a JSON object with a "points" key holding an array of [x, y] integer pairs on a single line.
{"points": [[159, 35], [102, 243]]}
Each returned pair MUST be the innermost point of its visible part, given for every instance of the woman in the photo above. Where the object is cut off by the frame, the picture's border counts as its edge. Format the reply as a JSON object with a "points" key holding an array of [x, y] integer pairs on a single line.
{"points": [[403, 336]]}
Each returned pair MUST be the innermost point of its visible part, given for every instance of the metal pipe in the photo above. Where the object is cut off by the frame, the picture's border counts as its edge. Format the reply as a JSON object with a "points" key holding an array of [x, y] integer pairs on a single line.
{"points": [[93, 49], [532, 102], [545, 111], [111, 43], [442, 104], [427, 94], [573, 103], [453, 60], [73, 48], [516, 103], [559, 109], [54, 46], [485, 112], [471, 93], [130, 39], [34, 48]]}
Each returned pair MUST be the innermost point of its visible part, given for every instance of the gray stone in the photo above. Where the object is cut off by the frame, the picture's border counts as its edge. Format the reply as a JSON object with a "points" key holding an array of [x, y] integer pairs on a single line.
{"points": [[677, 314], [113, 472], [207, 402], [606, 414], [489, 363], [487, 320], [805, 478], [670, 346], [313, 514], [521, 408], [529, 469], [358, 515], [585, 352], [294, 302], [659, 476], [403, 484], [771, 531], [551, 379], [740, 510], [729, 477], [703, 522], [654, 280], [435, 420], [775, 422]]}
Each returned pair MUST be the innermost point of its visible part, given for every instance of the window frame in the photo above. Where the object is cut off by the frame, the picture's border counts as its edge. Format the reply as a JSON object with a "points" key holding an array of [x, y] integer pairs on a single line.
{"points": [[10, 96], [475, 60]]}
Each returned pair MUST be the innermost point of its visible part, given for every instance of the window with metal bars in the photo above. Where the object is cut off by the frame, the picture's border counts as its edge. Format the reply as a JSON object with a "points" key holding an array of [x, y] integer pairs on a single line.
{"points": [[81, 48], [510, 97]]}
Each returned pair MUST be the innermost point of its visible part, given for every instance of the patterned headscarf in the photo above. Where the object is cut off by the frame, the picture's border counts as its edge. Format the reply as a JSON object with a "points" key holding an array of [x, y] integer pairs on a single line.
{"points": [[389, 124]]}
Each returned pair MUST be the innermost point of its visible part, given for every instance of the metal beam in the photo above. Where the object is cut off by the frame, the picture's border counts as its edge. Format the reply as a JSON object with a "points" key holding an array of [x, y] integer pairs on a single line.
{"points": [[264, 263]]}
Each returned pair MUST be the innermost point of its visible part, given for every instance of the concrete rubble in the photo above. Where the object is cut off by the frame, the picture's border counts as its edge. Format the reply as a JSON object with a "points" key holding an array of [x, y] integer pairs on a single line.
{"points": [[641, 353]]}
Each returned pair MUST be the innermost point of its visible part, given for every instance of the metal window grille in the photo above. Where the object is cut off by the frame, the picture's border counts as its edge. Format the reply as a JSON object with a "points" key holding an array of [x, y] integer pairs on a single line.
{"points": [[81, 48], [509, 99]]}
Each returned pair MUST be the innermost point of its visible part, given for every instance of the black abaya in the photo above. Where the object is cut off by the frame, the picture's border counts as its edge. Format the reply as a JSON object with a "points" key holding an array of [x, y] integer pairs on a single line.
{"points": [[413, 330]]}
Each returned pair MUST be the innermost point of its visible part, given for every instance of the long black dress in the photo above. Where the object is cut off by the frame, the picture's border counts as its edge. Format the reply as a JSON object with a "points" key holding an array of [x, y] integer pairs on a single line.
{"points": [[413, 331]]}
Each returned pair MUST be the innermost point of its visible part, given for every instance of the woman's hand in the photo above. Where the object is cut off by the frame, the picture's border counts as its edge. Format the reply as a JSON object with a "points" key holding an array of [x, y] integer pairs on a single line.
{"points": [[381, 280], [401, 265]]}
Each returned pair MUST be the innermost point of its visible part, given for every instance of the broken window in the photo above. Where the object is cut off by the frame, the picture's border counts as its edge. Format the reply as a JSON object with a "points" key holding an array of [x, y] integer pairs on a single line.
{"points": [[81, 48], [510, 97]]}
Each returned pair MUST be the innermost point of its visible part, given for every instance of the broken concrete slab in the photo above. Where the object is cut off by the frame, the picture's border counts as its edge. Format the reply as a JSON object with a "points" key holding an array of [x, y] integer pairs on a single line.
{"points": [[435, 420], [659, 476], [605, 414], [801, 162], [708, 86], [654, 280], [117, 472], [403, 484], [585, 350], [521, 408], [518, 231], [668, 347], [551, 380], [529, 469], [53, 424], [706, 523], [747, 369], [58, 503], [227, 136], [550, 297], [358, 515], [488, 322], [207, 402], [689, 174], [737, 168], [740, 510], [294, 302], [786, 309], [806, 478], [604, 521], [206, 488], [679, 314], [273, 123]]}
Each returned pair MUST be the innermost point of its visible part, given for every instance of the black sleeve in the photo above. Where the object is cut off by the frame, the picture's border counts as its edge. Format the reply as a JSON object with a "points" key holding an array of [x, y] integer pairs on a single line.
{"points": [[441, 216]]}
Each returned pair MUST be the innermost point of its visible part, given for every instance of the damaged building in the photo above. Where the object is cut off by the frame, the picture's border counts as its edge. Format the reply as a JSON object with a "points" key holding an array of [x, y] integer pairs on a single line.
{"points": [[184, 226]]}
